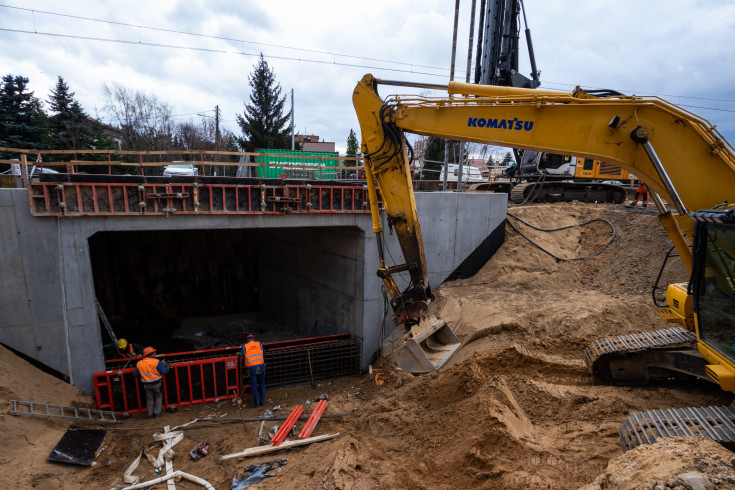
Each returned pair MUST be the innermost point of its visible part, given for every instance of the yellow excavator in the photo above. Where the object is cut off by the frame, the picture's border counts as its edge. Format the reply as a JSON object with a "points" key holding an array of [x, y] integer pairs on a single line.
{"points": [[688, 167]]}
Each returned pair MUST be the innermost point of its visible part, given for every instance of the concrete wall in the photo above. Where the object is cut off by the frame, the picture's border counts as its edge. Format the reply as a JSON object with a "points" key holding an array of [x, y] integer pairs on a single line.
{"points": [[320, 269], [312, 278]]}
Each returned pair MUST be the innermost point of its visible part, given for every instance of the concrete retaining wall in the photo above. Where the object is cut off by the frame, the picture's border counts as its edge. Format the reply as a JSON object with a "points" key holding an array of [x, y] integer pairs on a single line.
{"points": [[316, 272]]}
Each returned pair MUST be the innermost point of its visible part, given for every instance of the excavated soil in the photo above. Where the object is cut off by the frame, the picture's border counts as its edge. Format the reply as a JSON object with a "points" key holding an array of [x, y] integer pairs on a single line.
{"points": [[514, 408]]}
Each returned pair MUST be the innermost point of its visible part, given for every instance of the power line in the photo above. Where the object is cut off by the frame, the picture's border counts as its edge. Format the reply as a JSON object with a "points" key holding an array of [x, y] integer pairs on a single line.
{"points": [[334, 62], [220, 51], [664, 96], [220, 38]]}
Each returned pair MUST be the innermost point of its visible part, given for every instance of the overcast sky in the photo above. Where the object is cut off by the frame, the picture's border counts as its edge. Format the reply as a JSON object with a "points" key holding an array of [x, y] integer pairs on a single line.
{"points": [[681, 50]]}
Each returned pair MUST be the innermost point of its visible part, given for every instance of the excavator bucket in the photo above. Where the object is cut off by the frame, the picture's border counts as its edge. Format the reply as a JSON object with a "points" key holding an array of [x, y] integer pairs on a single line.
{"points": [[429, 345]]}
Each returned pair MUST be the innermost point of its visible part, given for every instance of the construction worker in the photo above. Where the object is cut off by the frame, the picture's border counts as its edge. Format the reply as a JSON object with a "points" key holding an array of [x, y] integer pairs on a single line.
{"points": [[252, 353], [640, 193], [151, 371], [129, 350]]}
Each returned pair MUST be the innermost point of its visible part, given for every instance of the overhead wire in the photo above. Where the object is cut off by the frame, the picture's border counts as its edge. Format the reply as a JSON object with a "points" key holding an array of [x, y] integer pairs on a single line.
{"points": [[280, 46], [222, 51], [220, 38]]}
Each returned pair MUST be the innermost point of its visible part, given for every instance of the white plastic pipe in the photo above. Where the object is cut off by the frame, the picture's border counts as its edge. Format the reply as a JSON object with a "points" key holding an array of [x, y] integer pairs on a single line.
{"points": [[177, 473]]}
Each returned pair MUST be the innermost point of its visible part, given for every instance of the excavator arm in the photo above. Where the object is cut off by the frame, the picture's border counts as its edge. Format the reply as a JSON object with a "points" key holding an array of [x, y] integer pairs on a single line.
{"points": [[387, 164]]}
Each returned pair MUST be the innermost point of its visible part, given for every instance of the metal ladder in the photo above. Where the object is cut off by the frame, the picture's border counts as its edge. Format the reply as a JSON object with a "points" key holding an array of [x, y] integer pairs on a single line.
{"points": [[62, 412]]}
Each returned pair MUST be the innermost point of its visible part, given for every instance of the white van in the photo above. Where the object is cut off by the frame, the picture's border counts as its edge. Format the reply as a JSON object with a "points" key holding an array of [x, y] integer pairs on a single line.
{"points": [[469, 173]]}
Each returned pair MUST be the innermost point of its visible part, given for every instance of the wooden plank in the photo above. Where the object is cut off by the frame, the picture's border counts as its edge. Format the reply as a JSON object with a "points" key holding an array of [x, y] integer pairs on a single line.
{"points": [[254, 451]]}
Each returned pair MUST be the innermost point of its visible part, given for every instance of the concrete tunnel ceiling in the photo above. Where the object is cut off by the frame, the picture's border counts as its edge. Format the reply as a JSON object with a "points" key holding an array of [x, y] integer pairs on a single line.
{"points": [[175, 289]]}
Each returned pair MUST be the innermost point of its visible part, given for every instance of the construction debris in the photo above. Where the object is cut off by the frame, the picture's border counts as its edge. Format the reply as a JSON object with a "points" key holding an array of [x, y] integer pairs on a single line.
{"points": [[175, 474], [261, 439], [199, 451], [165, 456], [315, 416], [258, 472], [254, 451], [62, 412], [78, 445], [287, 425]]}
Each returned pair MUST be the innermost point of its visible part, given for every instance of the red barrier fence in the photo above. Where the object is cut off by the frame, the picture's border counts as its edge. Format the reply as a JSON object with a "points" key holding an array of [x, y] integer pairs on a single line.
{"points": [[186, 383], [216, 374]]}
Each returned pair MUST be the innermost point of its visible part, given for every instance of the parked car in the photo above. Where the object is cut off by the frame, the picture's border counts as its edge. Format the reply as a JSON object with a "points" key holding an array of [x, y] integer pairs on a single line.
{"points": [[180, 169], [42, 170], [614, 182]]}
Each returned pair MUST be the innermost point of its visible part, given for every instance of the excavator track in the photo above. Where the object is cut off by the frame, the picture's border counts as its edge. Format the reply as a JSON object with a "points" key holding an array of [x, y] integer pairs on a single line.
{"points": [[647, 356], [716, 423], [567, 191]]}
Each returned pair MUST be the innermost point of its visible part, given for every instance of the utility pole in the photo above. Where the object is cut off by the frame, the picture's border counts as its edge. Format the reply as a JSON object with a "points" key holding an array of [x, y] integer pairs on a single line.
{"points": [[292, 145], [216, 134], [467, 80], [451, 79]]}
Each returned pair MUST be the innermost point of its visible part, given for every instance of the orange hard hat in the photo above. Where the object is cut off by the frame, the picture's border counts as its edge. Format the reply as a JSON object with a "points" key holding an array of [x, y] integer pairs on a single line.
{"points": [[148, 350]]}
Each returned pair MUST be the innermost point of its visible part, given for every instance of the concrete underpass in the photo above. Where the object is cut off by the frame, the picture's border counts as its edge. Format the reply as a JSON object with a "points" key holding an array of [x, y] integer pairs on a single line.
{"points": [[178, 282]]}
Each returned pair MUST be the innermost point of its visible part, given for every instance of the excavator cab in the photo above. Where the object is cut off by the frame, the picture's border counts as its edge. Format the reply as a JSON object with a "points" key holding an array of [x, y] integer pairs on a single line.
{"points": [[713, 287]]}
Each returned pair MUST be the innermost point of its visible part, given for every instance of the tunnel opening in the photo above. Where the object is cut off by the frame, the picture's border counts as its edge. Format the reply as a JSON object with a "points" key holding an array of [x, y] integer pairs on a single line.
{"points": [[198, 289]]}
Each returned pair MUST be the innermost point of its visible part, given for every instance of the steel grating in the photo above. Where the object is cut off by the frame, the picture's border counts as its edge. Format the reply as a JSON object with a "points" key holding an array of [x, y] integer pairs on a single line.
{"points": [[302, 364]]}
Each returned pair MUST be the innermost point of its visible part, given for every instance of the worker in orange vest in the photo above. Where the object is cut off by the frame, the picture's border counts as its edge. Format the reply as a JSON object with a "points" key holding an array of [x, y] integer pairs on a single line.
{"points": [[151, 371], [640, 193], [129, 349], [252, 353]]}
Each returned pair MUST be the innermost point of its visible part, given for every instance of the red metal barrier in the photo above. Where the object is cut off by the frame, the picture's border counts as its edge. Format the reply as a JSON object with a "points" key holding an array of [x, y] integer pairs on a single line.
{"points": [[186, 383], [213, 374]]}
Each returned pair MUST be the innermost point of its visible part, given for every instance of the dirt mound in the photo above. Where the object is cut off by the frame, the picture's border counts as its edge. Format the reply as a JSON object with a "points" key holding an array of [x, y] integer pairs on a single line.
{"points": [[678, 462], [26, 442], [514, 408]]}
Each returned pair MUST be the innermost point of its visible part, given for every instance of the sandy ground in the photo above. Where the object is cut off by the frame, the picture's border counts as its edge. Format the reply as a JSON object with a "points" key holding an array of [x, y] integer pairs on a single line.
{"points": [[514, 408]]}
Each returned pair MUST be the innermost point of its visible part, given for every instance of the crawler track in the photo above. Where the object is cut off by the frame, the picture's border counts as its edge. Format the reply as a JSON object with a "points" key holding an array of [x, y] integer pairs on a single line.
{"points": [[716, 423], [647, 356]]}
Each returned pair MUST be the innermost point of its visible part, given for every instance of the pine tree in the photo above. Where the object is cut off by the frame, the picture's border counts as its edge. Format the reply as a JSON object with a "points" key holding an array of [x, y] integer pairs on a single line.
{"points": [[353, 147], [22, 120], [433, 155], [68, 126], [263, 123]]}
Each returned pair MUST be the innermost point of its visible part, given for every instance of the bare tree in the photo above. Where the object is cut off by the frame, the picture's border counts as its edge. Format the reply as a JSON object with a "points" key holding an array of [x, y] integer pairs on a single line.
{"points": [[144, 120]]}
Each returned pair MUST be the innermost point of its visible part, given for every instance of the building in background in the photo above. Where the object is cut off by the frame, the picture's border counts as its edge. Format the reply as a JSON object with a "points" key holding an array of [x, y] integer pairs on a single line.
{"points": [[310, 142]]}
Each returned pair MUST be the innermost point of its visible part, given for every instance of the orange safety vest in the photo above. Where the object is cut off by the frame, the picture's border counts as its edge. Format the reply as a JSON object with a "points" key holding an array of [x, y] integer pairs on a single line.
{"points": [[148, 369], [253, 354]]}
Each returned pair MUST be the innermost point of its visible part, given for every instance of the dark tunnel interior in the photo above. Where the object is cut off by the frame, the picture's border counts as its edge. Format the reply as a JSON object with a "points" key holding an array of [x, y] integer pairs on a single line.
{"points": [[147, 282]]}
